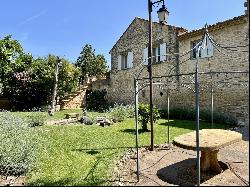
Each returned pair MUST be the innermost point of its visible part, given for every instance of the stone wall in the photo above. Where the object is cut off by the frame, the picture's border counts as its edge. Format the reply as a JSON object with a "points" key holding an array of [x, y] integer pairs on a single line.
{"points": [[231, 94], [231, 99], [101, 84], [135, 39]]}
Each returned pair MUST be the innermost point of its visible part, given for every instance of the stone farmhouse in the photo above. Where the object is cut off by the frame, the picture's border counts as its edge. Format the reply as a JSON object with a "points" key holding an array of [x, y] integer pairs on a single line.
{"points": [[231, 91]]}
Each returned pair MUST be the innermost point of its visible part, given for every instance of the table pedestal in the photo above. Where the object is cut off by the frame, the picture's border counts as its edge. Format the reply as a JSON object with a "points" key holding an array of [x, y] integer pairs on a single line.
{"points": [[209, 161]]}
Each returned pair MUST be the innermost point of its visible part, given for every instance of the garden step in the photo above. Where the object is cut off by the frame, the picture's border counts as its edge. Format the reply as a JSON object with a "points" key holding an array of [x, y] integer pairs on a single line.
{"points": [[65, 100], [80, 91]]}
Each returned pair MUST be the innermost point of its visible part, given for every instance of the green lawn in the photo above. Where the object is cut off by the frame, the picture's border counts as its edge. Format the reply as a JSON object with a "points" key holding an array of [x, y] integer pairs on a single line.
{"points": [[85, 155]]}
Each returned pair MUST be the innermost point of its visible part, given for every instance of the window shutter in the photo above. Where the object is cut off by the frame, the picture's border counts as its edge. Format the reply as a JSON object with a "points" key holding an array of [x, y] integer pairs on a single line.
{"points": [[145, 56], [210, 50], [204, 47], [207, 48], [130, 59], [163, 51], [198, 51], [157, 53], [119, 62]]}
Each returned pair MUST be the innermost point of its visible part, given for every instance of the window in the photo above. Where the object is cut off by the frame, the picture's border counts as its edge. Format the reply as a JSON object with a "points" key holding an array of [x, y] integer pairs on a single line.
{"points": [[194, 52], [206, 51], [125, 60], [158, 53]]}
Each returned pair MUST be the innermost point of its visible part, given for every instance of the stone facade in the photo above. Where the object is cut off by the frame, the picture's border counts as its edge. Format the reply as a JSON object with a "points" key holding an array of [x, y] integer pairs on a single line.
{"points": [[230, 90], [231, 99], [135, 39]]}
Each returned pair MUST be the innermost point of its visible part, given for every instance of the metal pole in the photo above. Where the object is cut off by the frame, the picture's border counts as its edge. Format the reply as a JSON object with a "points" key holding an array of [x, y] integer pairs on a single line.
{"points": [[136, 119], [168, 120], [197, 122], [150, 73], [212, 106]]}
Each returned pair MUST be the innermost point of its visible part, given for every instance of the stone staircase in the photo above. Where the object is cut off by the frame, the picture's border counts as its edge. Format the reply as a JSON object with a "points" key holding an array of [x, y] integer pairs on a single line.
{"points": [[75, 99]]}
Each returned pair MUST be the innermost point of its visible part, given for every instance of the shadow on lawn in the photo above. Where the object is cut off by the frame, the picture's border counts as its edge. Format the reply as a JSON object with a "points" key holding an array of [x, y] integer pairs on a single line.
{"points": [[132, 131], [41, 182], [89, 180], [93, 151], [68, 182]]}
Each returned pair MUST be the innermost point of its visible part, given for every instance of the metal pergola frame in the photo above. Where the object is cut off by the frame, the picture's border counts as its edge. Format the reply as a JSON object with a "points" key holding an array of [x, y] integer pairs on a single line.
{"points": [[197, 89]]}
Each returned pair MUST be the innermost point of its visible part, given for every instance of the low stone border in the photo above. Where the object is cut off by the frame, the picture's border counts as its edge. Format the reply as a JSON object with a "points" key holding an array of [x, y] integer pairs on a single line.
{"points": [[131, 154], [63, 121], [12, 181]]}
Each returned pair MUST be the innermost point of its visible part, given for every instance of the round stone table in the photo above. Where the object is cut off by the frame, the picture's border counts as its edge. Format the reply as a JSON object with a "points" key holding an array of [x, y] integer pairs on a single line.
{"points": [[211, 140]]}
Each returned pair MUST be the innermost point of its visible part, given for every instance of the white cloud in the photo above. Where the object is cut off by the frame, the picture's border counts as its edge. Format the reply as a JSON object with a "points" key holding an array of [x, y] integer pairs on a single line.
{"points": [[33, 17]]}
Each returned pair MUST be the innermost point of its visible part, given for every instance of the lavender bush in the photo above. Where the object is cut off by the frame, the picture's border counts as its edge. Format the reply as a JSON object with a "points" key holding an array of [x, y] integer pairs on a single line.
{"points": [[120, 112], [37, 119], [18, 145]]}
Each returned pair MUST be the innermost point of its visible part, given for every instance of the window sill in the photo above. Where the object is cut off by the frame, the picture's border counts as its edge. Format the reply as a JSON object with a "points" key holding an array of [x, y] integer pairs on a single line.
{"points": [[125, 69]]}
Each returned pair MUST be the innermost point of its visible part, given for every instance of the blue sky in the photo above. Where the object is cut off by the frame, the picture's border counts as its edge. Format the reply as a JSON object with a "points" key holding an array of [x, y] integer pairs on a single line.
{"points": [[63, 27]]}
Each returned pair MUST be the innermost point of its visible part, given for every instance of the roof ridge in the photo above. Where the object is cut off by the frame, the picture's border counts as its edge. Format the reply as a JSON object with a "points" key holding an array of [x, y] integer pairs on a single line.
{"points": [[158, 22], [236, 18]]}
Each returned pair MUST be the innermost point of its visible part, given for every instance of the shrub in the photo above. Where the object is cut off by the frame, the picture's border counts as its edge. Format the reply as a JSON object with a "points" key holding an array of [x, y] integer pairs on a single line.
{"points": [[96, 100], [187, 113], [144, 115], [218, 117], [130, 111], [88, 120], [37, 119], [119, 112], [182, 113], [18, 148]]}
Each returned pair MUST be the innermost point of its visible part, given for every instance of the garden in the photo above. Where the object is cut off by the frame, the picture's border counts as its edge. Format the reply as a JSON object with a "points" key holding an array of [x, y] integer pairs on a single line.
{"points": [[79, 154], [34, 151]]}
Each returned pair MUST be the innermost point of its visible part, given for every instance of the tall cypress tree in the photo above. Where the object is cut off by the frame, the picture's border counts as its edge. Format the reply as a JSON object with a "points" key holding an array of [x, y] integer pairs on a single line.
{"points": [[90, 63]]}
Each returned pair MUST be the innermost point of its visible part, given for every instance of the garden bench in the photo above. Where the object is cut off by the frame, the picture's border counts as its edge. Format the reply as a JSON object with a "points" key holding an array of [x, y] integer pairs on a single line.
{"points": [[72, 115]]}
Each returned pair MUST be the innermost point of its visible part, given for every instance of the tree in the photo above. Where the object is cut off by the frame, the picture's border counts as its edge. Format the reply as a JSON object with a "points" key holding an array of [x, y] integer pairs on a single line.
{"points": [[28, 82], [68, 77], [33, 87], [12, 59], [100, 65], [90, 63]]}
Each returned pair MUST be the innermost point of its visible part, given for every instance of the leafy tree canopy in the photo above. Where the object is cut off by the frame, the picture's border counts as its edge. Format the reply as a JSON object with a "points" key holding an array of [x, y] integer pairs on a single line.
{"points": [[27, 81], [90, 63]]}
